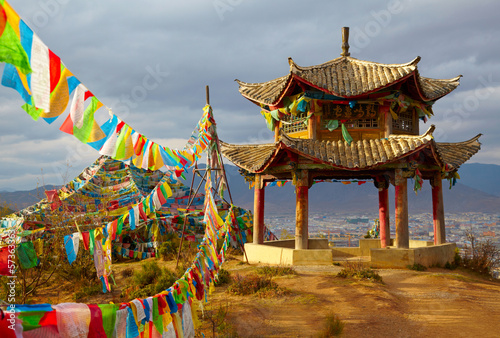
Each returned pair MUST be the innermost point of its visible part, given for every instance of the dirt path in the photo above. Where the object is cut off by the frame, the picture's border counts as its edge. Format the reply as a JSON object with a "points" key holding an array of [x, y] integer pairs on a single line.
{"points": [[437, 303], [433, 303]]}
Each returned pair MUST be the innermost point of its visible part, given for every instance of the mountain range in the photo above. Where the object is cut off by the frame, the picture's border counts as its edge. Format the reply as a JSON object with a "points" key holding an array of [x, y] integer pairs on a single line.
{"points": [[478, 190]]}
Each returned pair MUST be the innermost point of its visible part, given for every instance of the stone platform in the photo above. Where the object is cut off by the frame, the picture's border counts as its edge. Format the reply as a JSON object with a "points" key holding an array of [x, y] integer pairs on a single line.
{"points": [[283, 252]]}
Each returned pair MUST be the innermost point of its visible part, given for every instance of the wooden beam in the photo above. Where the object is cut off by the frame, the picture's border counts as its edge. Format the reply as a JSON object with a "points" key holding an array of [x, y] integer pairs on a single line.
{"points": [[402, 232], [258, 207], [302, 210], [438, 209]]}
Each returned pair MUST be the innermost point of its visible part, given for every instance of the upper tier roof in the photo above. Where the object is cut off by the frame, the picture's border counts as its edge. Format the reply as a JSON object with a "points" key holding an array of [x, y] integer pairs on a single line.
{"points": [[360, 155], [350, 78]]}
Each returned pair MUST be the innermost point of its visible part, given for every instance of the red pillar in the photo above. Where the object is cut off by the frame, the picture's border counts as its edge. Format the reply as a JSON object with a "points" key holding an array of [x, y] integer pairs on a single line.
{"points": [[258, 207], [302, 210], [383, 215], [438, 209], [402, 233]]}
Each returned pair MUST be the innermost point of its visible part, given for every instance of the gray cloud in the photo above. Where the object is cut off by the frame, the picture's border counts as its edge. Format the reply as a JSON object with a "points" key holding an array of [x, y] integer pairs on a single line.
{"points": [[110, 45]]}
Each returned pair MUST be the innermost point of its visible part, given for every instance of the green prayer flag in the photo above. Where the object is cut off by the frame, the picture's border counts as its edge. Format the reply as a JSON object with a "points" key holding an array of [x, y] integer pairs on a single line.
{"points": [[83, 133], [119, 226], [33, 111], [27, 255], [345, 133], [157, 320], [30, 319], [11, 50], [332, 125], [91, 241], [108, 318]]}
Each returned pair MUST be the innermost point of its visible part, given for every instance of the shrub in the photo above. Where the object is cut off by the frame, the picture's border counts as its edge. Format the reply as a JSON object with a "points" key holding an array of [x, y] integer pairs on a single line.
{"points": [[333, 326], [279, 270], [263, 287], [360, 271], [219, 323], [127, 272], [416, 267], [150, 280], [224, 277], [480, 256], [168, 249], [87, 291]]}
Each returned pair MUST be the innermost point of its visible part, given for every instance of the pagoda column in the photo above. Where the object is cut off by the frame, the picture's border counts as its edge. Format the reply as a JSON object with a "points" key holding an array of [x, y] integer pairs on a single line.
{"points": [[383, 211], [258, 207], [402, 233], [276, 131], [302, 210], [438, 209]]}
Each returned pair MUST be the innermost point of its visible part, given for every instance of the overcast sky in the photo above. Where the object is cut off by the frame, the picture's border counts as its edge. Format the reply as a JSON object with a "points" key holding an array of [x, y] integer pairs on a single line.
{"points": [[150, 61]]}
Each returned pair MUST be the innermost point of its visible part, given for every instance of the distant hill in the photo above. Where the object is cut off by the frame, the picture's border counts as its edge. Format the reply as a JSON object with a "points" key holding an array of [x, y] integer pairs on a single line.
{"points": [[484, 177], [17, 200], [477, 190], [337, 197]]}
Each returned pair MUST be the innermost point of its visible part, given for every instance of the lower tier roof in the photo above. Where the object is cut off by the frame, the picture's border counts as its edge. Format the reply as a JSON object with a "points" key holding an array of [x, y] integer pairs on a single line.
{"points": [[360, 155]]}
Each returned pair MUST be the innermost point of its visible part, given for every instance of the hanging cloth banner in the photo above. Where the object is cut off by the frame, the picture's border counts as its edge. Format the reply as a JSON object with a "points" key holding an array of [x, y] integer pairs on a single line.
{"points": [[45, 84], [71, 243]]}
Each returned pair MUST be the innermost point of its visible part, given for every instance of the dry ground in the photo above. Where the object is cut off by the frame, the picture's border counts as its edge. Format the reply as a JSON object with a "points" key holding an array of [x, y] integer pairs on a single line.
{"points": [[432, 303]]}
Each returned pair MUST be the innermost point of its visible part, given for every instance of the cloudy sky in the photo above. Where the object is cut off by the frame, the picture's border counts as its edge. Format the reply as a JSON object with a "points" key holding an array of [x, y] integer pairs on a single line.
{"points": [[150, 61]]}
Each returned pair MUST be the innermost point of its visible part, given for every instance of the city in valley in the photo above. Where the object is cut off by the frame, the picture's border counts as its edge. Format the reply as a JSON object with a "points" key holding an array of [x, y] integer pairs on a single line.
{"points": [[345, 230]]}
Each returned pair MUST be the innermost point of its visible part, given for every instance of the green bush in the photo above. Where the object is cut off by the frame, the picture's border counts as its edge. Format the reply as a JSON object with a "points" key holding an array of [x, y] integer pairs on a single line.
{"points": [[224, 277], [149, 280], [360, 271], [168, 249], [273, 271], [416, 267], [263, 287], [87, 291], [333, 326]]}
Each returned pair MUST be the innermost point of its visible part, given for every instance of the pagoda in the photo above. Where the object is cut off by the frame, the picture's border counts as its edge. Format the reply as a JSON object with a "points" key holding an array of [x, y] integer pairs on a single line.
{"points": [[348, 119]]}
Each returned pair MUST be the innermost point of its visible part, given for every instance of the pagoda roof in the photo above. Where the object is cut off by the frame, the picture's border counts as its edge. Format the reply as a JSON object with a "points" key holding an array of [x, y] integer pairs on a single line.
{"points": [[351, 78], [360, 155]]}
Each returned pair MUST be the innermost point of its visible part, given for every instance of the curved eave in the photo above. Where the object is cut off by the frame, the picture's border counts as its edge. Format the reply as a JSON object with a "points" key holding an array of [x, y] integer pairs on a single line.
{"points": [[453, 155], [268, 93], [434, 89], [251, 157]]}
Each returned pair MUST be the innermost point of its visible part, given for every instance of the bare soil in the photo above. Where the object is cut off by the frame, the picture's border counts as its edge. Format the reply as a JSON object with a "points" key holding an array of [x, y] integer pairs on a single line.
{"points": [[432, 303]]}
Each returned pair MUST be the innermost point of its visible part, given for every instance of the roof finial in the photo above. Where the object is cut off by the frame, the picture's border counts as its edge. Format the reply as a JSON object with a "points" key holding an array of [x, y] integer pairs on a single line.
{"points": [[345, 42]]}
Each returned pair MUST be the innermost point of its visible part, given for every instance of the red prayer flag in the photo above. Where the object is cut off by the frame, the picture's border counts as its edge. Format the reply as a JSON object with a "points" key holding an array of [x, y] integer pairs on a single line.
{"points": [[96, 328], [161, 197], [142, 213], [55, 70], [67, 125], [86, 239]]}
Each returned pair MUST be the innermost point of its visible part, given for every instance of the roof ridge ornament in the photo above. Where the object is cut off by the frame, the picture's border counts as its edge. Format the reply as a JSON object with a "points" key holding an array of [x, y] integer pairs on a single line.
{"points": [[345, 42]]}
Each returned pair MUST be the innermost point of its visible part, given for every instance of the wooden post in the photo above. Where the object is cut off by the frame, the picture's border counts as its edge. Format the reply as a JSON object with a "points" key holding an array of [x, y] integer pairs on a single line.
{"points": [[438, 209], [258, 207], [402, 233], [383, 213], [302, 210], [276, 131], [388, 121], [312, 127]]}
